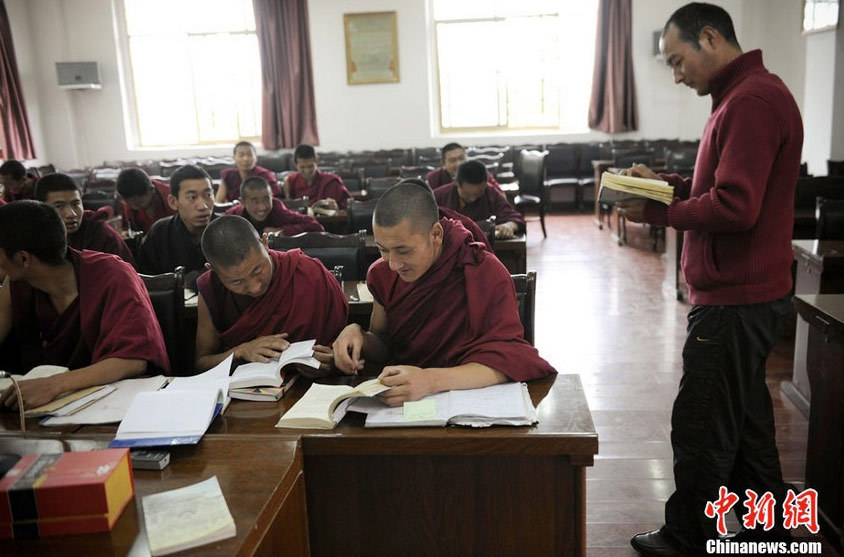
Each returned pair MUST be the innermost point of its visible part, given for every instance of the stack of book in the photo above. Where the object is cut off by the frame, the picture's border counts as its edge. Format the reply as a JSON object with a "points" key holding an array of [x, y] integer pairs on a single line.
{"points": [[615, 187]]}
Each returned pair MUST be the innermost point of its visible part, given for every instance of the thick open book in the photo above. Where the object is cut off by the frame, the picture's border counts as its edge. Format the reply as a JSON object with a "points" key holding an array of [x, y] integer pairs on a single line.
{"points": [[271, 374], [325, 405], [504, 404], [615, 187], [188, 517], [265, 394], [178, 414], [65, 404]]}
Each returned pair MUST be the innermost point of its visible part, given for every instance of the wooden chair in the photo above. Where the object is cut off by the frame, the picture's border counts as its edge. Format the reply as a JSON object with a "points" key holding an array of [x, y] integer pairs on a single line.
{"points": [[300, 204], [348, 250], [167, 294], [587, 152], [427, 155], [360, 214], [415, 171], [526, 298], [830, 219], [805, 202], [375, 187], [532, 189], [562, 168], [221, 208], [96, 199], [834, 168]]}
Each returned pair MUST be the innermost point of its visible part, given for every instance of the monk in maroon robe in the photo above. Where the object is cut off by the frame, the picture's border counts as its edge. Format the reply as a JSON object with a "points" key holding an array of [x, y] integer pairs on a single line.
{"points": [[246, 166], [18, 182], [453, 155], [268, 214], [254, 302], [444, 312], [472, 196], [322, 188], [85, 310], [86, 230], [144, 199]]}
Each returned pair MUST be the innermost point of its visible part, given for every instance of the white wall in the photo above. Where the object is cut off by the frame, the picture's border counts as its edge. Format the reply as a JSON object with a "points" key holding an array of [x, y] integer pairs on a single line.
{"points": [[818, 99], [77, 128]]}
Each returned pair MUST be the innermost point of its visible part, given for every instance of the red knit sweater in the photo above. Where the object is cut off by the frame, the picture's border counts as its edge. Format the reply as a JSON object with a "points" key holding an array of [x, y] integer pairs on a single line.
{"points": [[738, 211]]}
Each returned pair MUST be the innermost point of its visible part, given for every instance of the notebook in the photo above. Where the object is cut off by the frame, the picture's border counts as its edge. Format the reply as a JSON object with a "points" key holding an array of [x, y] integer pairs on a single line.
{"points": [[178, 414]]}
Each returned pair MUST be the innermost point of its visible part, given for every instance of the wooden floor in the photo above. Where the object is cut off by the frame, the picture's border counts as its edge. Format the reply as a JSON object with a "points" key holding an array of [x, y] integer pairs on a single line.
{"points": [[601, 313]]}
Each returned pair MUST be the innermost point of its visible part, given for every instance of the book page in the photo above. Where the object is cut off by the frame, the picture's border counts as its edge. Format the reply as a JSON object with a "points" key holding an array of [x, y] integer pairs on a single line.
{"points": [[187, 517], [112, 408], [496, 401], [317, 402], [216, 378], [168, 413]]}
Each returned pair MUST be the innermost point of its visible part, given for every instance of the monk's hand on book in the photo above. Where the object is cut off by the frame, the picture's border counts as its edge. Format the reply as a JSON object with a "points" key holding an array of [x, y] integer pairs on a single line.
{"points": [[347, 349], [325, 356], [504, 231], [408, 383], [262, 349], [34, 392], [634, 209], [640, 171]]}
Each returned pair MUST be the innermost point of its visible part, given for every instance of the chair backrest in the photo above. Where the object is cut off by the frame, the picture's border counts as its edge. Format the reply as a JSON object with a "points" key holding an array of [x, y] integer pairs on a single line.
{"points": [[425, 155], [517, 156], [532, 172], [167, 294], [414, 171], [487, 226], [375, 187], [562, 160], [300, 204], [834, 168], [221, 208], [348, 250], [588, 152], [526, 298], [622, 158], [360, 214], [681, 161], [830, 219], [276, 162], [376, 170]]}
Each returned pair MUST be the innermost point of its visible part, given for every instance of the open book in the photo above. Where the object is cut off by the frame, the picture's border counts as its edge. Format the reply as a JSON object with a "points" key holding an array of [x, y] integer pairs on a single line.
{"points": [[325, 405], [178, 414], [270, 374], [65, 404], [265, 394], [187, 517], [615, 187], [504, 404]]}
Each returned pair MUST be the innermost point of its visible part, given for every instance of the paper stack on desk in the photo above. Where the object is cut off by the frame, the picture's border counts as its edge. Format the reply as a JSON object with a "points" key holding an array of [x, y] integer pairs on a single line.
{"points": [[178, 414]]}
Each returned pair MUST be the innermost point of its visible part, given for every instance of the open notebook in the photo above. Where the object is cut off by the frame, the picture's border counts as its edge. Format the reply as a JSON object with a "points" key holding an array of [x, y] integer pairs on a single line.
{"points": [[178, 414]]}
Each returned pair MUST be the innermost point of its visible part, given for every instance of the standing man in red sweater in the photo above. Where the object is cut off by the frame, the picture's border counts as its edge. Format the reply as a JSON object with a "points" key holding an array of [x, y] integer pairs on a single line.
{"points": [[737, 216]]}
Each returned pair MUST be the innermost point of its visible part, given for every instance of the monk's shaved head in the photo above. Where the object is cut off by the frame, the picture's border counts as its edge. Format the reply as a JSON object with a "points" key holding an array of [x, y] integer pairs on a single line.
{"points": [[229, 240], [407, 200]]}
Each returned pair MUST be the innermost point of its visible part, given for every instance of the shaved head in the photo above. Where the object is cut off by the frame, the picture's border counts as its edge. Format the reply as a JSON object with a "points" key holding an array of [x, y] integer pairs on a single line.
{"points": [[407, 200], [229, 240]]}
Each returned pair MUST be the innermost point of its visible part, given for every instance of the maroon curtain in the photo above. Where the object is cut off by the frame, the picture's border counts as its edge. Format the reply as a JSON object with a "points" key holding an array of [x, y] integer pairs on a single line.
{"points": [[14, 124], [289, 113], [612, 108]]}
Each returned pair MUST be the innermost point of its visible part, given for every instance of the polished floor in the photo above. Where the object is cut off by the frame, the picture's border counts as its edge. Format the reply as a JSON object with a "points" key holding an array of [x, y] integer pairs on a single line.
{"points": [[601, 313]]}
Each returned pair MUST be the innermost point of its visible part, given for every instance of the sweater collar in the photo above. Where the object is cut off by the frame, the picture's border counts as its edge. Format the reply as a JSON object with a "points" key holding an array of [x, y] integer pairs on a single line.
{"points": [[730, 75]]}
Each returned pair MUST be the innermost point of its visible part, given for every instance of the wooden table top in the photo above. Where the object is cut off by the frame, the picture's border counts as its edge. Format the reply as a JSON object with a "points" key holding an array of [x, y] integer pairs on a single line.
{"points": [[267, 475], [828, 307]]}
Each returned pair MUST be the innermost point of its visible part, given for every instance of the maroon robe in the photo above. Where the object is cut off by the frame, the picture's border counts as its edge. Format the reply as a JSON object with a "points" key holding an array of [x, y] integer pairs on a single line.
{"points": [[463, 309], [112, 317], [303, 299], [9, 195], [470, 225], [231, 178], [140, 219], [323, 186], [95, 234], [290, 222], [489, 204], [441, 177]]}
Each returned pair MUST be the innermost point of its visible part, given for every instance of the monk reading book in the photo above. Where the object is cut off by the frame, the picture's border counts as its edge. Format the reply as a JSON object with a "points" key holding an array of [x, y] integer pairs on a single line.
{"points": [[85, 229], [85, 310], [254, 302], [444, 311], [453, 155], [269, 214], [324, 188], [144, 199]]}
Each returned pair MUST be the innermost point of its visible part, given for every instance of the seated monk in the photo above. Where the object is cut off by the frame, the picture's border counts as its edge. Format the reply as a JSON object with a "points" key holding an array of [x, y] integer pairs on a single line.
{"points": [[253, 302], [246, 166], [453, 155], [444, 312], [88, 311], [174, 241], [144, 200], [18, 182], [85, 229], [472, 196], [267, 213], [322, 188]]}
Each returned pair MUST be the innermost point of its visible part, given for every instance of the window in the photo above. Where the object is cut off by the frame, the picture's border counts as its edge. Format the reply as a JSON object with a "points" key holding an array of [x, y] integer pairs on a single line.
{"points": [[514, 64], [194, 71], [820, 15]]}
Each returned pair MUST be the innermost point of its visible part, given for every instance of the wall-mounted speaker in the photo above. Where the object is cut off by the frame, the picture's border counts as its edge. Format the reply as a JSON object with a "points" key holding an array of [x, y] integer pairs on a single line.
{"points": [[78, 75]]}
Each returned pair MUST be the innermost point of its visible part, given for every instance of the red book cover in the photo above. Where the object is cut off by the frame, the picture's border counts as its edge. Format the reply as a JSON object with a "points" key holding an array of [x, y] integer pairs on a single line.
{"points": [[86, 490]]}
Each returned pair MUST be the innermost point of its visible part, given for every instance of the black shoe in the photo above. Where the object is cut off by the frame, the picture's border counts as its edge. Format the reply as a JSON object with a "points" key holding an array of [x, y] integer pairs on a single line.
{"points": [[653, 544]]}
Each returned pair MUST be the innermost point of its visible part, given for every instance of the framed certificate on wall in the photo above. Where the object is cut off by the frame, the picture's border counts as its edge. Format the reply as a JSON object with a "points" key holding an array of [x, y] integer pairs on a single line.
{"points": [[372, 48]]}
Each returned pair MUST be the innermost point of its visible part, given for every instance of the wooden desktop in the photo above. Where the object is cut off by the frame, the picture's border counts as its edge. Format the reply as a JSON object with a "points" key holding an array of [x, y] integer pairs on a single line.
{"points": [[369, 491]]}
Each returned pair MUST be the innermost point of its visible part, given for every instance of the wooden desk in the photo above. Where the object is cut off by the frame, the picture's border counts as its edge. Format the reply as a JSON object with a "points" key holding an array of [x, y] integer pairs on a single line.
{"points": [[819, 269], [265, 494], [431, 491], [825, 449], [512, 253]]}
